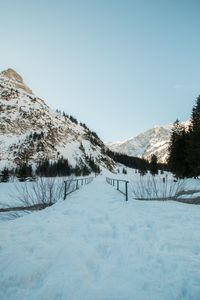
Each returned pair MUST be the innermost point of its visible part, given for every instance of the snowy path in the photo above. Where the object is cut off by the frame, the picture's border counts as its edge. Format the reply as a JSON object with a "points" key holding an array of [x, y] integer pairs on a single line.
{"points": [[96, 246]]}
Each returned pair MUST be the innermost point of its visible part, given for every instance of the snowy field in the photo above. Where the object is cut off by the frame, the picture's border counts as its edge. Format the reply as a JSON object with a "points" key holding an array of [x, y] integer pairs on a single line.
{"points": [[96, 246]]}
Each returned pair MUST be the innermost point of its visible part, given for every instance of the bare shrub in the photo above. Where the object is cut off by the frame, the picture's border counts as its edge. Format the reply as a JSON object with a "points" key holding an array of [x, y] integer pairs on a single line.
{"points": [[156, 188], [35, 195], [42, 193]]}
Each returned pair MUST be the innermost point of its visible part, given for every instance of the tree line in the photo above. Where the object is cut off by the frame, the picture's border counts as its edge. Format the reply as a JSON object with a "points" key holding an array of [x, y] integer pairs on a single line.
{"points": [[141, 164], [61, 167], [47, 168], [184, 148]]}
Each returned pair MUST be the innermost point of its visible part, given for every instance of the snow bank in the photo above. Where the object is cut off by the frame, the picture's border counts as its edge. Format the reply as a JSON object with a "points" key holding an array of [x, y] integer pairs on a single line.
{"points": [[96, 246]]}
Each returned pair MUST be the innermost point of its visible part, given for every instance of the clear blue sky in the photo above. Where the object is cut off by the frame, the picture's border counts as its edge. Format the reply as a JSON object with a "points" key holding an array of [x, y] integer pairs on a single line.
{"points": [[119, 66]]}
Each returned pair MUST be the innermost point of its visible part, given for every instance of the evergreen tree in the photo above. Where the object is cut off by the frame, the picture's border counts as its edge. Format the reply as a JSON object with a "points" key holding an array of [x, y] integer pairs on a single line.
{"points": [[24, 172], [154, 165], [143, 171], [129, 161], [77, 171], [85, 171], [43, 168], [93, 166], [177, 160], [4, 175], [193, 152]]}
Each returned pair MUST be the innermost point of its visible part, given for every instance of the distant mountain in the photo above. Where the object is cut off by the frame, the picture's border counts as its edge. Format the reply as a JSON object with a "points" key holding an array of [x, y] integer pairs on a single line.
{"points": [[153, 141], [30, 131]]}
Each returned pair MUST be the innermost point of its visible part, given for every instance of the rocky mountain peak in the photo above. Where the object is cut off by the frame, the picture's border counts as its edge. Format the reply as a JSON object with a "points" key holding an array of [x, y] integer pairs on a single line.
{"points": [[13, 75], [16, 79]]}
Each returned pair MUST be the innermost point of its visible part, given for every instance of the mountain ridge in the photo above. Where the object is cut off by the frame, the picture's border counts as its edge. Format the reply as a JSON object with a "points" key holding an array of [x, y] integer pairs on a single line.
{"points": [[31, 131], [144, 145]]}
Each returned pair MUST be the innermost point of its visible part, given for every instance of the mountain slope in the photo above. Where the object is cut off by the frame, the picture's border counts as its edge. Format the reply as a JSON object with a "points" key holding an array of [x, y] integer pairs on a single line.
{"points": [[153, 141], [30, 131]]}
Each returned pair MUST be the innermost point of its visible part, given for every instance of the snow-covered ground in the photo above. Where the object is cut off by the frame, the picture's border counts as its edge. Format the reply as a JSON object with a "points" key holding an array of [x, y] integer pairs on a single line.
{"points": [[97, 246]]}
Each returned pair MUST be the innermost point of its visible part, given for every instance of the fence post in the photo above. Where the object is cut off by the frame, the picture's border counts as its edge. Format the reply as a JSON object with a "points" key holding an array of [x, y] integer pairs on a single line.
{"points": [[77, 184], [126, 190], [111, 181], [65, 190]]}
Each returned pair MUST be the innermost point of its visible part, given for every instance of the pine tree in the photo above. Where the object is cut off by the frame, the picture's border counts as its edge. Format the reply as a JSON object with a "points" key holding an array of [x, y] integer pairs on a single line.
{"points": [[77, 171], [193, 152], [4, 175], [154, 165], [142, 169], [177, 160], [24, 172], [85, 171]]}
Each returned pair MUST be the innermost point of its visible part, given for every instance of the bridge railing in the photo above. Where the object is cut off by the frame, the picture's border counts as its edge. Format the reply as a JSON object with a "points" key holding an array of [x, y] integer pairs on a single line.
{"points": [[116, 183], [72, 185]]}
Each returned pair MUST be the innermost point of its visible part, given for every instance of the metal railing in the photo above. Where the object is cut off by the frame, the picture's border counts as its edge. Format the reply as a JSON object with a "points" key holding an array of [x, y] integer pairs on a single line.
{"points": [[112, 182], [71, 185]]}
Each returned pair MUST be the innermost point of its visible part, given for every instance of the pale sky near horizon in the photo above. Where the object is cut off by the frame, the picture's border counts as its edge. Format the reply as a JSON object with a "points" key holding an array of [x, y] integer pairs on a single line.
{"points": [[121, 67]]}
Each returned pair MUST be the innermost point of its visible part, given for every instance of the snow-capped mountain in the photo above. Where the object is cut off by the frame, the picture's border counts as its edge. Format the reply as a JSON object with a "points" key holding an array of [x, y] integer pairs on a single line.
{"points": [[153, 141], [31, 131]]}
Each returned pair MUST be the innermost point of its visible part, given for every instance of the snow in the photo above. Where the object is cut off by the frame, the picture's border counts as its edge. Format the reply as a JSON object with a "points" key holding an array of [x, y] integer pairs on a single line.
{"points": [[189, 196], [6, 194], [97, 246]]}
